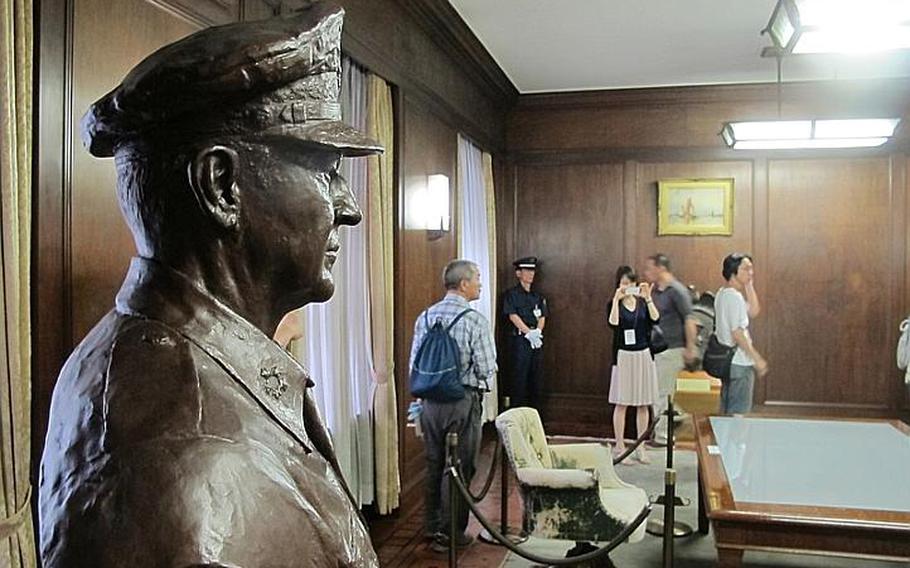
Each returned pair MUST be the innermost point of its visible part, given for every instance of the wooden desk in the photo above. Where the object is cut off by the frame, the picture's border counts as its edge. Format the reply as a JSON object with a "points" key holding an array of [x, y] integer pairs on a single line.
{"points": [[792, 511]]}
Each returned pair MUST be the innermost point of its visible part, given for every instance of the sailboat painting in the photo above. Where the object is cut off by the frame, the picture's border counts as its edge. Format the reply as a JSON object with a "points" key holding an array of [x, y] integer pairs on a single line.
{"points": [[695, 206]]}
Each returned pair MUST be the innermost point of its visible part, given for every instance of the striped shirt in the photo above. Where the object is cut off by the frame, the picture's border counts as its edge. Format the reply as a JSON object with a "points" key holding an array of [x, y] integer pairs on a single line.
{"points": [[472, 333]]}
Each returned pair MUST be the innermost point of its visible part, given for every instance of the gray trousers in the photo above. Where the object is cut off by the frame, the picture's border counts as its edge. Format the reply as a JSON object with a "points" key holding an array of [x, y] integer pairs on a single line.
{"points": [[736, 394], [464, 417], [669, 364]]}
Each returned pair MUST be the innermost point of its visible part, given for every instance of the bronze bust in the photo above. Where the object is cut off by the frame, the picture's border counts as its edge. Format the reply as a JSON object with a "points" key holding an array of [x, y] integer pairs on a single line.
{"points": [[180, 433]]}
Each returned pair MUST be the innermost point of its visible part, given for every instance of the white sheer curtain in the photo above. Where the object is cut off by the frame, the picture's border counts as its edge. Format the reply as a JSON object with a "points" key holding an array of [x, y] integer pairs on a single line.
{"points": [[474, 241], [336, 345]]}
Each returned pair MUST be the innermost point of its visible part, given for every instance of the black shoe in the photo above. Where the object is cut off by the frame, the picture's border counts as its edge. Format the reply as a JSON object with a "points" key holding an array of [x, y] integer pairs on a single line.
{"points": [[441, 542]]}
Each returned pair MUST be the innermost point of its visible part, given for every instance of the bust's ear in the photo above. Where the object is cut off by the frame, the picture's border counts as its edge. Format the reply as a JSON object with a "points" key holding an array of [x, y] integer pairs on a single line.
{"points": [[212, 176]]}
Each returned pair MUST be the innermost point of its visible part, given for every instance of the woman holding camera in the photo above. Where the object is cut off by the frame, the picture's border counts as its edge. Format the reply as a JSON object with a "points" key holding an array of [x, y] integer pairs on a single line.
{"points": [[634, 381]]}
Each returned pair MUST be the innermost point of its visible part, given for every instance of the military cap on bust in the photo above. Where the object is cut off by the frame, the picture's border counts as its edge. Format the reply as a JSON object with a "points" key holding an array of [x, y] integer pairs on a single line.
{"points": [[278, 76], [529, 262]]}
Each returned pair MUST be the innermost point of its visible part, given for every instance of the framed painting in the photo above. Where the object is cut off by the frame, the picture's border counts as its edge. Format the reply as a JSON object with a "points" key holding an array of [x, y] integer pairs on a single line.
{"points": [[695, 206]]}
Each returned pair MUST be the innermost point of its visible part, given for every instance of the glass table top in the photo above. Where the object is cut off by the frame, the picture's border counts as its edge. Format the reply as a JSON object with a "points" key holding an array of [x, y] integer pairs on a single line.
{"points": [[827, 463]]}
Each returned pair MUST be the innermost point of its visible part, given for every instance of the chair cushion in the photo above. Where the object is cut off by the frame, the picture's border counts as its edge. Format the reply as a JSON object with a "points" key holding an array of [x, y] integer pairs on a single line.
{"points": [[624, 503], [524, 439]]}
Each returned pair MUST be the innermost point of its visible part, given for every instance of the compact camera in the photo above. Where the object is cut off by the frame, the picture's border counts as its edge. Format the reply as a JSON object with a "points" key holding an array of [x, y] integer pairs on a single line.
{"points": [[633, 290]]}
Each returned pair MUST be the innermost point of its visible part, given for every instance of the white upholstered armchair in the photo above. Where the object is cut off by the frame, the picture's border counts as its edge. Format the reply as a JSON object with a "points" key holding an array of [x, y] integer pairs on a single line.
{"points": [[571, 491]]}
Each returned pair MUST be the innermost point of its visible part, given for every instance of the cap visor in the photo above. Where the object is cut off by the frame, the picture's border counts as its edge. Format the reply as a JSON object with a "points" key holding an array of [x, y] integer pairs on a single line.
{"points": [[335, 135]]}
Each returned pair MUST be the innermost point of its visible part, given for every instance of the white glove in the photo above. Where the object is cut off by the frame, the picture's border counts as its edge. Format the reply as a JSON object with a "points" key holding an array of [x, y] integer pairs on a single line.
{"points": [[535, 338]]}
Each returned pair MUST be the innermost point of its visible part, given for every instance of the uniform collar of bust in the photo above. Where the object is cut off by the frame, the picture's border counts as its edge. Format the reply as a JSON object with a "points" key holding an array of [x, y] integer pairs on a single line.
{"points": [[274, 378]]}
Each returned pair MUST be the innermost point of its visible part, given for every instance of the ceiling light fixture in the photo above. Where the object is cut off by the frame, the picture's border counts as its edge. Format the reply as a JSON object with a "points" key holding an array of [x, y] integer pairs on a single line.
{"points": [[814, 26], [839, 26], [790, 134]]}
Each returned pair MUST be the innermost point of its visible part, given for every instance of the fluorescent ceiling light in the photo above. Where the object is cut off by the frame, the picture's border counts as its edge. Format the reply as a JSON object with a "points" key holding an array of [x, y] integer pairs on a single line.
{"points": [[856, 128], [840, 26], [768, 129], [786, 134], [810, 143]]}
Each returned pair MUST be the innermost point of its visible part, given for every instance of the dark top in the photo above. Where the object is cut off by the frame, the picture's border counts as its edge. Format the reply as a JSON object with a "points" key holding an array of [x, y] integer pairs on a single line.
{"points": [[639, 320], [675, 305], [517, 301]]}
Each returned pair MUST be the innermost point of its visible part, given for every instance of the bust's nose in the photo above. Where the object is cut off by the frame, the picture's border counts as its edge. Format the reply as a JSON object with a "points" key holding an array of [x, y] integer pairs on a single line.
{"points": [[347, 212]]}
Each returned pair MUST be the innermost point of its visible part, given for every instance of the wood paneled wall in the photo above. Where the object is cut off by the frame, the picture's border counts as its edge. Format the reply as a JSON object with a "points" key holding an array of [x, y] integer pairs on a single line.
{"points": [[828, 230], [444, 83], [429, 148]]}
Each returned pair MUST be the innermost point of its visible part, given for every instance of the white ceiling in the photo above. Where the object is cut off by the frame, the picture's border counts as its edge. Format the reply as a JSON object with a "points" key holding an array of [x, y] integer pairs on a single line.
{"points": [[567, 45]]}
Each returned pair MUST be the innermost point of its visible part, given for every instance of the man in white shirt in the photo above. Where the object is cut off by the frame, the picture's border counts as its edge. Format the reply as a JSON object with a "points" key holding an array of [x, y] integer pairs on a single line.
{"points": [[735, 304]]}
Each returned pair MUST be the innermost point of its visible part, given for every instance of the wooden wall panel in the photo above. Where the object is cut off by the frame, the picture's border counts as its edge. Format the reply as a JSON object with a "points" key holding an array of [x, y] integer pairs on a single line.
{"points": [[571, 218], [687, 117], [429, 147], [840, 215], [101, 244], [697, 260], [82, 246], [50, 307], [504, 182], [828, 302]]}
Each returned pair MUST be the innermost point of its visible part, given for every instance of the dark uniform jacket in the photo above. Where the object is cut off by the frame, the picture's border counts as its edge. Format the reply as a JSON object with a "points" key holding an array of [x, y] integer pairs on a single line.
{"points": [[518, 301], [180, 435]]}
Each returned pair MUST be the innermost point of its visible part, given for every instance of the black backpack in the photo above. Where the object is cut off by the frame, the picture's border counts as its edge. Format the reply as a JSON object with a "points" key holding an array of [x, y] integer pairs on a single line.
{"points": [[436, 373]]}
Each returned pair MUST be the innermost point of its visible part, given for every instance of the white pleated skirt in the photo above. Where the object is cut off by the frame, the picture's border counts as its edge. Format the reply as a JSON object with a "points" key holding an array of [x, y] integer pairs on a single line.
{"points": [[634, 380]]}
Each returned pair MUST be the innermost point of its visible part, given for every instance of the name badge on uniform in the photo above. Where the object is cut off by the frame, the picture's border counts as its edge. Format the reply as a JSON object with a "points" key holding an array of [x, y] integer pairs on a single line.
{"points": [[537, 312], [629, 336]]}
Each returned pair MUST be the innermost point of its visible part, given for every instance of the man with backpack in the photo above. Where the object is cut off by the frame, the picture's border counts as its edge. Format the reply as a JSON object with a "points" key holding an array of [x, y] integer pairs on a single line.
{"points": [[452, 359]]}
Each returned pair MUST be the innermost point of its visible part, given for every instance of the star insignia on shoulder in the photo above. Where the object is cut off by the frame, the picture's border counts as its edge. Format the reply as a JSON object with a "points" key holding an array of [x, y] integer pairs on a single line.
{"points": [[272, 381]]}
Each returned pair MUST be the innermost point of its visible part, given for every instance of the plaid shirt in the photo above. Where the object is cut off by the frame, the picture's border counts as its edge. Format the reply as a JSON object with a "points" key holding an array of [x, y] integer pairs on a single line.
{"points": [[472, 333]]}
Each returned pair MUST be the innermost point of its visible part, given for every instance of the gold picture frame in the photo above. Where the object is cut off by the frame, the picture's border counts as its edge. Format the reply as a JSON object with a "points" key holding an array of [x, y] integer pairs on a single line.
{"points": [[695, 206]]}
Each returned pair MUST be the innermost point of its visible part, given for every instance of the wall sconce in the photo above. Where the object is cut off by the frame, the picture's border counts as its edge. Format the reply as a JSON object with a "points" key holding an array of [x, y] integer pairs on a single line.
{"points": [[836, 26], [435, 204]]}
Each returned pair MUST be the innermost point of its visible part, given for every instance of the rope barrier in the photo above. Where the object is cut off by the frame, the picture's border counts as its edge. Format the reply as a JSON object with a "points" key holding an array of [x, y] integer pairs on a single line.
{"points": [[602, 551], [638, 441], [489, 482]]}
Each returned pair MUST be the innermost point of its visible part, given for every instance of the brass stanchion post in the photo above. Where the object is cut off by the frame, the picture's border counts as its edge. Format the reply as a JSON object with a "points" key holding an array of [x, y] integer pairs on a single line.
{"points": [[451, 466], [656, 526], [669, 510], [504, 480]]}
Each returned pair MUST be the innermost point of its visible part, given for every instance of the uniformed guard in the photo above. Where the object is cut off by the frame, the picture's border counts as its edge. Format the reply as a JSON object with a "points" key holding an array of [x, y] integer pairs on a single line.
{"points": [[527, 312], [180, 434]]}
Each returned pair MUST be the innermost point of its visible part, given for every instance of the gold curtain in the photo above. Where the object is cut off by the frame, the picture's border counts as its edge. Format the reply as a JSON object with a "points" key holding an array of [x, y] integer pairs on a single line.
{"points": [[17, 539], [380, 188], [490, 196], [491, 405]]}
